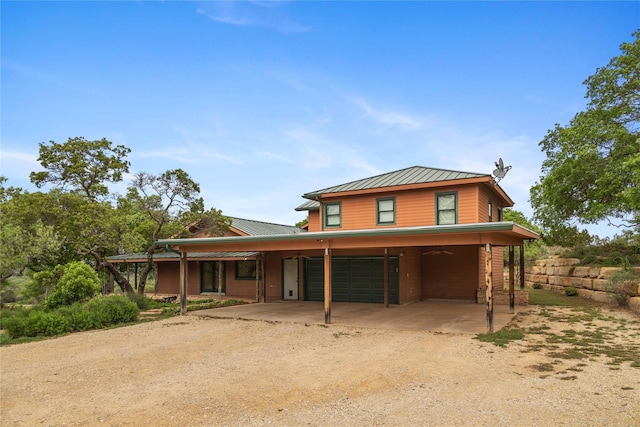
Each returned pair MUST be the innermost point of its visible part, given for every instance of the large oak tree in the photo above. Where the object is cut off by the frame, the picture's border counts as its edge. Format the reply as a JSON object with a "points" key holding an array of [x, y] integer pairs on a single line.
{"points": [[592, 169]]}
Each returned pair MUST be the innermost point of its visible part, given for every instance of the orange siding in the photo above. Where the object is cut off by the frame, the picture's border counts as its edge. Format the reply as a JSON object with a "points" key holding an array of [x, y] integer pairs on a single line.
{"points": [[273, 273], [314, 221], [451, 276], [413, 208]]}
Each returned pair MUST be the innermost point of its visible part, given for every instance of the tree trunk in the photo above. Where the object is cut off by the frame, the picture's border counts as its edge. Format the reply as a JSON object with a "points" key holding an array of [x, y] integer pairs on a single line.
{"points": [[119, 278]]}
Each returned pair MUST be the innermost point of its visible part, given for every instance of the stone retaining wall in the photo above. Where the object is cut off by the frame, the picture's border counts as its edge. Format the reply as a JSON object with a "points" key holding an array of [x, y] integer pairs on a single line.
{"points": [[557, 274]]}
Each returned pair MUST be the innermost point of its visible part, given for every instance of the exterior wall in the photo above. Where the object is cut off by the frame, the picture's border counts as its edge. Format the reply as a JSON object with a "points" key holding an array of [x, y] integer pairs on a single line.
{"points": [[413, 208], [169, 280], [451, 276], [410, 276], [484, 196], [273, 277], [314, 221]]}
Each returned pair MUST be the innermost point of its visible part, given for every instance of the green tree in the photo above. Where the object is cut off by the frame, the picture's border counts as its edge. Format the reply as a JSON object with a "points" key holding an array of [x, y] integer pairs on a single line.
{"points": [[592, 169], [171, 202], [85, 166], [23, 243], [77, 282], [79, 170]]}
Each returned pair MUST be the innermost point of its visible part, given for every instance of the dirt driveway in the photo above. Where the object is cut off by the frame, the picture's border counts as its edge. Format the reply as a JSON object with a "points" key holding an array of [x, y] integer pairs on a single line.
{"points": [[200, 371]]}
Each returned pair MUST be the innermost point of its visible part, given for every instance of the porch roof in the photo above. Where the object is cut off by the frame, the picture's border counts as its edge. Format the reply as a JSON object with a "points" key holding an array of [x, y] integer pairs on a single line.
{"points": [[172, 256], [496, 233]]}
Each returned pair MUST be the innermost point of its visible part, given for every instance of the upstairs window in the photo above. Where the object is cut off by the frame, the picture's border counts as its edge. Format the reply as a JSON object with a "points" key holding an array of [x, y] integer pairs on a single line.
{"points": [[446, 208], [386, 211], [332, 215], [490, 211], [499, 214]]}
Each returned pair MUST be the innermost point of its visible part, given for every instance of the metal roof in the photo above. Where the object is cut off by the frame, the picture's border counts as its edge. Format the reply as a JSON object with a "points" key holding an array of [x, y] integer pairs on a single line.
{"points": [[408, 176], [259, 228], [374, 232], [142, 257], [309, 205]]}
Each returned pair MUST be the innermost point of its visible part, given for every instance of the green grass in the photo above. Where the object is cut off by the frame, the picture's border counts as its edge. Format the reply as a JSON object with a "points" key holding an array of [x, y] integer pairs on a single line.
{"points": [[592, 333]]}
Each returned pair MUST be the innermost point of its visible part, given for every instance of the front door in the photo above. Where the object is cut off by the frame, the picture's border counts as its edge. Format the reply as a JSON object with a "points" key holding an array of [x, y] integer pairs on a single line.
{"points": [[290, 278]]}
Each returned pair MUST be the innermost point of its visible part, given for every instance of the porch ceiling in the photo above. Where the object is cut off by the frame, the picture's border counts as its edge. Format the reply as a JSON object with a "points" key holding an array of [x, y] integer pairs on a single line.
{"points": [[495, 233]]}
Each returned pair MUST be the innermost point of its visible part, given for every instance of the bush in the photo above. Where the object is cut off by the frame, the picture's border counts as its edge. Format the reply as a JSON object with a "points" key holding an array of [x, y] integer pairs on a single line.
{"points": [[98, 313], [622, 284], [537, 286], [140, 300], [112, 310], [77, 283], [570, 291]]}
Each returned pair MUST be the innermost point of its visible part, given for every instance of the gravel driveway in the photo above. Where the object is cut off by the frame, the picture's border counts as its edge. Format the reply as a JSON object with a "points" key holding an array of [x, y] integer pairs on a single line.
{"points": [[198, 371]]}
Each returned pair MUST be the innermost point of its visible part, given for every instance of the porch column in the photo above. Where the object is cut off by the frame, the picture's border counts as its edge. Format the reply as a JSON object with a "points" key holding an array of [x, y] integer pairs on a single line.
{"points": [[522, 265], [512, 292], [220, 264], [488, 277], [184, 282], [327, 285], [386, 278]]}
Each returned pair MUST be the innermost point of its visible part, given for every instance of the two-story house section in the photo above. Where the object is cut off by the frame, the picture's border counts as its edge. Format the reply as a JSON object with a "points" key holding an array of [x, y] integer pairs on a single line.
{"points": [[409, 235]]}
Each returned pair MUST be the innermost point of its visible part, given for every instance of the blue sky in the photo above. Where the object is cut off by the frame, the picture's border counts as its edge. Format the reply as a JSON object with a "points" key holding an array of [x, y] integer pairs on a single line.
{"points": [[263, 101]]}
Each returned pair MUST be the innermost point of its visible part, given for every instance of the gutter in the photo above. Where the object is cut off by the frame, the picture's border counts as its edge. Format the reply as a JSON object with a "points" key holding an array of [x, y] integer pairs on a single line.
{"points": [[403, 231]]}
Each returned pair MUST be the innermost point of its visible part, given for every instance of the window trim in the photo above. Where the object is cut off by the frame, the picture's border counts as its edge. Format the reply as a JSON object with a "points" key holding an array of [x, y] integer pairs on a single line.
{"points": [[455, 208], [490, 211], [237, 273], [378, 211], [325, 215]]}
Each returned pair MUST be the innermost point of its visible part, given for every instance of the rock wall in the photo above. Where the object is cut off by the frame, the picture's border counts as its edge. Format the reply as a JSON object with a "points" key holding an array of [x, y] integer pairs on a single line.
{"points": [[557, 274]]}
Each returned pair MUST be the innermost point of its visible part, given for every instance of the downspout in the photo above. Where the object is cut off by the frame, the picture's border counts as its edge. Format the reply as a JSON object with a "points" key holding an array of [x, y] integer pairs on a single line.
{"points": [[183, 278]]}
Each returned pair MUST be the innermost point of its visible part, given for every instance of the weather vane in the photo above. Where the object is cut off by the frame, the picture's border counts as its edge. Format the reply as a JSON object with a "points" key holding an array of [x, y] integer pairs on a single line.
{"points": [[500, 171]]}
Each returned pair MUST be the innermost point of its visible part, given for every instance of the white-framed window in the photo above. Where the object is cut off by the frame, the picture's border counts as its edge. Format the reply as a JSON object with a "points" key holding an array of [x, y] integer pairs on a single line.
{"points": [[490, 211], [386, 211], [446, 208]]}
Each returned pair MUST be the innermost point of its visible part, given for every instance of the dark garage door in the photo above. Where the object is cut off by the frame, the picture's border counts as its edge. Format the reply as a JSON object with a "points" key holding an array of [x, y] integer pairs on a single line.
{"points": [[355, 279]]}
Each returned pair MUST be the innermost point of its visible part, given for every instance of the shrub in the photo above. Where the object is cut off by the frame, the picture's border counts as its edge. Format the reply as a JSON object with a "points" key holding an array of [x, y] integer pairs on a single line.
{"points": [[77, 283], [112, 310], [570, 291], [537, 286], [622, 284], [98, 313], [140, 300]]}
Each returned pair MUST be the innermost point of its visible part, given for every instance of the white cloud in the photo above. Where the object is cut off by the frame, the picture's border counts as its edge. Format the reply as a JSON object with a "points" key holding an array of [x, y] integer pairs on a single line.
{"points": [[252, 14], [388, 119]]}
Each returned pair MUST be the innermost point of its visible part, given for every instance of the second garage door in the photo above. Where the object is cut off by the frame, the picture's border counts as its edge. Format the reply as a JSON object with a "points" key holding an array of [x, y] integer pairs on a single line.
{"points": [[354, 279]]}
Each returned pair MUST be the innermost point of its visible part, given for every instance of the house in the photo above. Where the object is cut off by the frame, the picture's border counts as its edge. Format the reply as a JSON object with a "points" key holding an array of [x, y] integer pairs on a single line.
{"points": [[403, 236]]}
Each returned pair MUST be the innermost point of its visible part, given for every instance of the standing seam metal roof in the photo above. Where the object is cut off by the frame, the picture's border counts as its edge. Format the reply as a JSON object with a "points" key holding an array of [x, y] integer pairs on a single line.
{"points": [[408, 176], [258, 228]]}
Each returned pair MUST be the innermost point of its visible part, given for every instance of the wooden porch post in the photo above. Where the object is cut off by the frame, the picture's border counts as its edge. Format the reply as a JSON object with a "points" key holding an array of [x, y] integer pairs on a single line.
{"points": [[512, 280], [488, 276], [327, 285], [220, 264], [184, 285], [386, 278], [522, 265]]}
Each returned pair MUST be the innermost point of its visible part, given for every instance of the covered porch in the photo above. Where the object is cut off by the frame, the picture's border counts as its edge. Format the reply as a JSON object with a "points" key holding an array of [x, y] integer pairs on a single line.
{"points": [[428, 315]]}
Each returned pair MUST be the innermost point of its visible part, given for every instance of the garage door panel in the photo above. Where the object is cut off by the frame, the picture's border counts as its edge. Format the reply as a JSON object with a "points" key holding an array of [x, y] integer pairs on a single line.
{"points": [[353, 280]]}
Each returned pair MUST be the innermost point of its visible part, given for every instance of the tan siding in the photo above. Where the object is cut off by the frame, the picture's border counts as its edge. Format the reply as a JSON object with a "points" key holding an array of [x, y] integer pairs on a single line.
{"points": [[168, 278], [451, 276]]}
